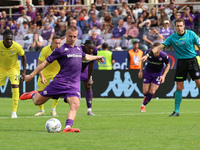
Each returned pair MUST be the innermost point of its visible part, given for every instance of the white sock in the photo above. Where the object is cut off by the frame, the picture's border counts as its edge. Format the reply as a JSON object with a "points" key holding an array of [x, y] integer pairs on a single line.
{"points": [[42, 110], [67, 126], [14, 113], [53, 109], [89, 109], [143, 105]]}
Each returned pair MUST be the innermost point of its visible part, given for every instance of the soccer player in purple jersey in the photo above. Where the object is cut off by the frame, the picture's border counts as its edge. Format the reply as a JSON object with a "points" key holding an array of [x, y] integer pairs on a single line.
{"points": [[67, 82], [86, 74], [153, 77]]}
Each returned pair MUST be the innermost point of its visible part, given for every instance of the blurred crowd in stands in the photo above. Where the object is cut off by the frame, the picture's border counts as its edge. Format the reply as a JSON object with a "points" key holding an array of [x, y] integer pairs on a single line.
{"points": [[118, 26]]}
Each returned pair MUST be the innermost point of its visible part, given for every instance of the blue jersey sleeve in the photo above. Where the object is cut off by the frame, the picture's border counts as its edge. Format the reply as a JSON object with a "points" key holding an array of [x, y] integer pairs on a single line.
{"points": [[196, 38], [168, 41]]}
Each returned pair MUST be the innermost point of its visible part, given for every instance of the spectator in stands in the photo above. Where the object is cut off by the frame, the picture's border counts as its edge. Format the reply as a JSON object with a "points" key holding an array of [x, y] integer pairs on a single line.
{"points": [[96, 38], [57, 27], [36, 44], [143, 27], [124, 10], [177, 16], [137, 10], [107, 25], [83, 23], [161, 7], [134, 56], [118, 32], [94, 21], [23, 18], [27, 3], [116, 17], [78, 9], [197, 23], [74, 23], [132, 32], [61, 31], [50, 17], [62, 15], [152, 36], [42, 10], [4, 16], [188, 18], [93, 8], [144, 5], [101, 20], [163, 17], [169, 10], [108, 57], [175, 10], [166, 31], [12, 26], [32, 28], [2, 26], [38, 21], [47, 32], [142, 17], [23, 29], [127, 24], [111, 8], [99, 3], [103, 10], [72, 15], [30, 13], [153, 17]]}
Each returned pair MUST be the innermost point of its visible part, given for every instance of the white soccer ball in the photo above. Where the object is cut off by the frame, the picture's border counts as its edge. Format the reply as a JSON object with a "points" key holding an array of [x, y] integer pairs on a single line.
{"points": [[53, 125]]}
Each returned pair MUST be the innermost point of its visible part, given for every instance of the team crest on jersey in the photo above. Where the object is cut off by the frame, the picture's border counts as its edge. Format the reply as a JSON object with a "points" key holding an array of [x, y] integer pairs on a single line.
{"points": [[12, 52], [160, 59], [45, 92], [197, 74], [198, 40], [182, 42], [66, 49], [144, 80]]}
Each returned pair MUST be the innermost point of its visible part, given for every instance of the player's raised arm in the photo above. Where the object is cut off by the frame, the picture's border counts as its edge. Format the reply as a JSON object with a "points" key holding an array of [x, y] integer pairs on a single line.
{"points": [[154, 50], [91, 57], [36, 71]]}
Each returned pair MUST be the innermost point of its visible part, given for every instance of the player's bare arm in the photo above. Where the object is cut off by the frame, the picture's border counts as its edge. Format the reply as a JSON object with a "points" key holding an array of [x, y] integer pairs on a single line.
{"points": [[154, 50], [162, 79], [140, 74], [36, 71], [43, 80], [24, 67], [91, 57]]}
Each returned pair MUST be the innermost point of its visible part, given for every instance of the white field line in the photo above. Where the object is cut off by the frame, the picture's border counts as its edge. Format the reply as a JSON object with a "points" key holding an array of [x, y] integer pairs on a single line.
{"points": [[102, 115]]}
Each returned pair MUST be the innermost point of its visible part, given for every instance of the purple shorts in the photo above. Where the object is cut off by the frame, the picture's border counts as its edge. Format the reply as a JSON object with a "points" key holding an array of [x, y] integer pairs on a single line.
{"points": [[54, 90], [149, 77]]}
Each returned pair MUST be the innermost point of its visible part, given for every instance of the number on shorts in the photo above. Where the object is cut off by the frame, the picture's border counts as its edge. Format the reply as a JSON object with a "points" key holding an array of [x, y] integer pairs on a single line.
{"points": [[16, 77], [158, 78]]}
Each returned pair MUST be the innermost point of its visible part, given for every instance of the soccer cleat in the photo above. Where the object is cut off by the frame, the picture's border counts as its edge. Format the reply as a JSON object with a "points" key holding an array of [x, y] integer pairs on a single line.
{"points": [[53, 113], [70, 129], [27, 95], [142, 109], [40, 113], [13, 116], [90, 113], [174, 114]]}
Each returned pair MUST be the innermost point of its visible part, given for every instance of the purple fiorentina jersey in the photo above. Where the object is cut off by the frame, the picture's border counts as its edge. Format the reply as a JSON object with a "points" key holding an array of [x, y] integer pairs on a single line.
{"points": [[70, 60], [166, 32], [85, 64], [156, 64]]}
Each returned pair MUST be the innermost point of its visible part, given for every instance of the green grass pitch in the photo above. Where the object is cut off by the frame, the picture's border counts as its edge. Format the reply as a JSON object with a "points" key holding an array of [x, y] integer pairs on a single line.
{"points": [[118, 125]]}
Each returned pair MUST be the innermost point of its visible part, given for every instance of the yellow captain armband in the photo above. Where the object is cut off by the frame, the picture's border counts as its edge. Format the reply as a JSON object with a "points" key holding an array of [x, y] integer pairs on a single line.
{"points": [[198, 60]]}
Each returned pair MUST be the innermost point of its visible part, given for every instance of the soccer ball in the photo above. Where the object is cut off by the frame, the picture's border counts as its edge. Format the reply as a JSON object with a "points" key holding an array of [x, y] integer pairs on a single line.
{"points": [[53, 125]]}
